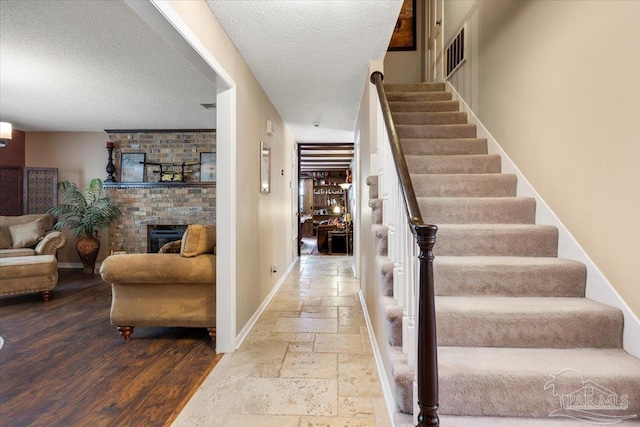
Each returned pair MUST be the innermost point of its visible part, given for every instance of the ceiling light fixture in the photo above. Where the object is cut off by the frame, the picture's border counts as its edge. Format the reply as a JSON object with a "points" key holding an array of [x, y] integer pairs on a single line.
{"points": [[209, 106], [5, 133]]}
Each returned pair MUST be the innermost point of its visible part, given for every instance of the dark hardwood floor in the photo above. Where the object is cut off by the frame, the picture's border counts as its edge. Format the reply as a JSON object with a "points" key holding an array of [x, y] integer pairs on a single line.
{"points": [[63, 364]]}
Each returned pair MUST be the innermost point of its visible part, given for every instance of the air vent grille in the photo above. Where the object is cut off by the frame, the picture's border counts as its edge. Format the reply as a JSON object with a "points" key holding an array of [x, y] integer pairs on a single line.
{"points": [[455, 53]]}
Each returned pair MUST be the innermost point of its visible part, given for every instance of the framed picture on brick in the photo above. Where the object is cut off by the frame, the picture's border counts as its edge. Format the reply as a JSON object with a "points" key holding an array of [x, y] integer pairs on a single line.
{"points": [[208, 167], [132, 167]]}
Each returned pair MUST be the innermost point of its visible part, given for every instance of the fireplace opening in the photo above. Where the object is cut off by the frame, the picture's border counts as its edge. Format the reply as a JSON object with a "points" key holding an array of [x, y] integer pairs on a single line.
{"points": [[159, 235]]}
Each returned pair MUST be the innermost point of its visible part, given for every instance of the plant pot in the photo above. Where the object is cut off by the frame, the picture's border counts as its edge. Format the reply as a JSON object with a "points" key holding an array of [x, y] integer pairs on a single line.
{"points": [[88, 248]]}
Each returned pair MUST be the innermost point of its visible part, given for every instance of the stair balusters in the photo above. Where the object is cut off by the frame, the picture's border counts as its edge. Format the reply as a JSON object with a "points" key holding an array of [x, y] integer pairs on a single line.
{"points": [[410, 247]]}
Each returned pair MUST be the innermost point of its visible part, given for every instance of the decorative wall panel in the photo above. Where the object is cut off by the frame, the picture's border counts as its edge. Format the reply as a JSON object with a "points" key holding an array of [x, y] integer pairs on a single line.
{"points": [[40, 189]]}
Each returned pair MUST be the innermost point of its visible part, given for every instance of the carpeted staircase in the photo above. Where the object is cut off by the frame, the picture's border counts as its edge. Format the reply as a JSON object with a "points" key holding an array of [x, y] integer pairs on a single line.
{"points": [[510, 313]]}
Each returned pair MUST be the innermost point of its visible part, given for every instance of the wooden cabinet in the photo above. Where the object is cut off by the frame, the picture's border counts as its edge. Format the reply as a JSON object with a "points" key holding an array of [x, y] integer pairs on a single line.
{"points": [[328, 197]]}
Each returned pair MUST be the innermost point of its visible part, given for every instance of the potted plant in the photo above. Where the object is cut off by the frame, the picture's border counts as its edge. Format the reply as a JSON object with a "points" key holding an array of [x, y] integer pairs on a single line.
{"points": [[85, 214]]}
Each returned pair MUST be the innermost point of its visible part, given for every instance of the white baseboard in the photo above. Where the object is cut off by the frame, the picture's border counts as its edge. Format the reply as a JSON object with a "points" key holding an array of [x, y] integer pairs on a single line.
{"points": [[251, 323], [387, 393], [598, 287]]}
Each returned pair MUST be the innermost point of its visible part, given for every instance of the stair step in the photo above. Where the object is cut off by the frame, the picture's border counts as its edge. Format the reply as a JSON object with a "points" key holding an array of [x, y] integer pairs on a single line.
{"points": [[424, 106], [415, 87], [509, 276], [402, 375], [464, 185], [527, 322], [477, 210], [419, 96], [462, 164], [510, 382], [430, 118], [444, 146], [496, 240], [436, 131]]}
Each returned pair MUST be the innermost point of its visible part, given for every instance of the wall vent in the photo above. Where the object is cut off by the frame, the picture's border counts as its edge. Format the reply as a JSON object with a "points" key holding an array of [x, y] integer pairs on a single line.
{"points": [[455, 53]]}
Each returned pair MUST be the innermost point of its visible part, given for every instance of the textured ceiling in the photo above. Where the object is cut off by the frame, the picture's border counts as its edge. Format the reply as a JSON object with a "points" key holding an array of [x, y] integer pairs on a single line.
{"points": [[94, 65], [311, 57]]}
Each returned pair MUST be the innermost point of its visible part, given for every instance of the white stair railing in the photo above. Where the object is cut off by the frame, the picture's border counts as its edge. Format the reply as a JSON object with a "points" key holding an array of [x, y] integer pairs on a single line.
{"points": [[410, 247]]}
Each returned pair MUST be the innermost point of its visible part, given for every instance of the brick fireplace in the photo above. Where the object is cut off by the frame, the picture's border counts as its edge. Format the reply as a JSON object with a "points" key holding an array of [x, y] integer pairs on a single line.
{"points": [[153, 203]]}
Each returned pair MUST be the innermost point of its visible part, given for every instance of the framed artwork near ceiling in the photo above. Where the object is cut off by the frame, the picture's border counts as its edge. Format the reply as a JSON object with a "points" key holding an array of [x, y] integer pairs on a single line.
{"points": [[265, 168], [132, 167], [208, 167], [404, 33]]}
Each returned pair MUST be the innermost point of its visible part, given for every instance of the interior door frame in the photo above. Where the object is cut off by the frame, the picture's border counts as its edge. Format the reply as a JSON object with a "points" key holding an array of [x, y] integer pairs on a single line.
{"points": [[435, 46]]}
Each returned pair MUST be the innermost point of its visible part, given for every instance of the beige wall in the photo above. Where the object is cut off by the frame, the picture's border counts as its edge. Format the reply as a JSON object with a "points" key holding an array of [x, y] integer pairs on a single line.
{"points": [[264, 222], [79, 157], [557, 85], [406, 66]]}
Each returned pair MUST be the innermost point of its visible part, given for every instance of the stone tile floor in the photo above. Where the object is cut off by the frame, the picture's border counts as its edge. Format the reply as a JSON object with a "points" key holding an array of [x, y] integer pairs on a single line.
{"points": [[307, 362]]}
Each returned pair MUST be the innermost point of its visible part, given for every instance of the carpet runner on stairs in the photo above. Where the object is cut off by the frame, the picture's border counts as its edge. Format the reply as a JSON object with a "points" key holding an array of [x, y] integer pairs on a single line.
{"points": [[512, 317]]}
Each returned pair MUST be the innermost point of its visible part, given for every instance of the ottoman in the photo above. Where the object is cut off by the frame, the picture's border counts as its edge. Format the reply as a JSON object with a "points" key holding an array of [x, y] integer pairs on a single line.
{"points": [[27, 274]]}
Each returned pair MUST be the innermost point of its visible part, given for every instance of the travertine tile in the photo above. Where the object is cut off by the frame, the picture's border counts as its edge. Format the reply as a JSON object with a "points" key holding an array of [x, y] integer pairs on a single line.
{"points": [[320, 312], [357, 376], [286, 305], [307, 361], [348, 329], [348, 287], [289, 314], [301, 347], [261, 352], [336, 422], [355, 406], [306, 325], [261, 420], [268, 317], [289, 396], [310, 365], [350, 316], [338, 343], [344, 301], [292, 336]]}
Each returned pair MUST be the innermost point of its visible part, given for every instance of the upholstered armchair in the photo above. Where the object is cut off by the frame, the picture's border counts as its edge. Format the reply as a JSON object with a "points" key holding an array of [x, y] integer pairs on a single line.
{"points": [[165, 289]]}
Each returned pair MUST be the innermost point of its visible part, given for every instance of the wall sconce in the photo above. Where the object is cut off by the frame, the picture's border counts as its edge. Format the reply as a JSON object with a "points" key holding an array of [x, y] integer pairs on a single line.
{"points": [[5, 133], [269, 128]]}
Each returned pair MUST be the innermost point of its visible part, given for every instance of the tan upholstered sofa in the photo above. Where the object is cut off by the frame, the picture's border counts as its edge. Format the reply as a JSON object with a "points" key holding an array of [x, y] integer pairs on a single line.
{"points": [[165, 289], [27, 235]]}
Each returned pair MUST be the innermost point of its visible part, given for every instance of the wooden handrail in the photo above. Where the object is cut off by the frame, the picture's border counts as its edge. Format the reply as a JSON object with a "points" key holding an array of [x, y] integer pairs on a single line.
{"points": [[425, 234]]}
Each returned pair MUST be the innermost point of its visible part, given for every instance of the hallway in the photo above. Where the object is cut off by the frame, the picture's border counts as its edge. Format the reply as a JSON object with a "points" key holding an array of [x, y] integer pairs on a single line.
{"points": [[307, 362]]}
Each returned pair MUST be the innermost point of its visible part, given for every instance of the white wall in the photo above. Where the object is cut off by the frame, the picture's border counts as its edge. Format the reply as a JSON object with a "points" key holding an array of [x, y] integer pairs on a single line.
{"points": [[557, 85], [264, 232]]}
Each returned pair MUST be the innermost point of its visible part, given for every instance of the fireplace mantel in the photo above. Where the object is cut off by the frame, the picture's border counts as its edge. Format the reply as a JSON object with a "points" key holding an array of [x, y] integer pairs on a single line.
{"points": [[157, 184]]}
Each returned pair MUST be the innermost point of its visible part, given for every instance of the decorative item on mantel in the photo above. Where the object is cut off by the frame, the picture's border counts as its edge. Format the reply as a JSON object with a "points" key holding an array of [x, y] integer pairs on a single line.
{"points": [[85, 214], [111, 169]]}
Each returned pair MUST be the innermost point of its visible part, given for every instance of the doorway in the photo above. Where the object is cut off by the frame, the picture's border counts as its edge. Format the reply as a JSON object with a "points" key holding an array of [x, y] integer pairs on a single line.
{"points": [[325, 212]]}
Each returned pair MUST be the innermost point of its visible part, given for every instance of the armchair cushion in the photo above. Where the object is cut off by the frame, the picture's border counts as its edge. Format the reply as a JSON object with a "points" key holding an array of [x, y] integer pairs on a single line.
{"points": [[28, 234], [198, 240]]}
